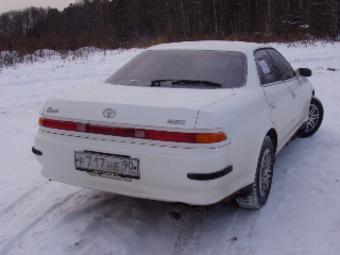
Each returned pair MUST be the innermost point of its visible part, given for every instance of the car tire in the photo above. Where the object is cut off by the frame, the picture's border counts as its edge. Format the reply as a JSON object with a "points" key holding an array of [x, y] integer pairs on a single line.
{"points": [[315, 119], [261, 187]]}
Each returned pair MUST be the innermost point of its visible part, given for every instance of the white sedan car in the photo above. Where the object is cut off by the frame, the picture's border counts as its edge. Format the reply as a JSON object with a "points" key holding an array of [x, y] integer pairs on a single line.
{"points": [[191, 122]]}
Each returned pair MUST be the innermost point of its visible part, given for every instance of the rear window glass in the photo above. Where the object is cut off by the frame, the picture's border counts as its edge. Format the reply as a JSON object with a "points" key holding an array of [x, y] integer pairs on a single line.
{"points": [[227, 68]]}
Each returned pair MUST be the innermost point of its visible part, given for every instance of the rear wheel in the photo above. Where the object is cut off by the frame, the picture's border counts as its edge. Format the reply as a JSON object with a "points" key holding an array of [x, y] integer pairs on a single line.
{"points": [[260, 189], [314, 119]]}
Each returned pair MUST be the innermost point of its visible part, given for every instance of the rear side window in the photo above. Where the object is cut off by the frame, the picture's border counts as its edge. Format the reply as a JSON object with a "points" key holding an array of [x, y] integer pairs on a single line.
{"points": [[286, 71], [268, 72]]}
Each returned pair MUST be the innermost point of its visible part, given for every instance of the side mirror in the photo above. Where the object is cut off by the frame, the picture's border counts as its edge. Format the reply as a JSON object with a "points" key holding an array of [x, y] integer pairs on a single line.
{"points": [[306, 72]]}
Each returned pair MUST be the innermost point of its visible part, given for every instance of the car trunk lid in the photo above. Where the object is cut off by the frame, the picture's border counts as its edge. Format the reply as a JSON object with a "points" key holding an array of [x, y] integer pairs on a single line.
{"points": [[135, 106]]}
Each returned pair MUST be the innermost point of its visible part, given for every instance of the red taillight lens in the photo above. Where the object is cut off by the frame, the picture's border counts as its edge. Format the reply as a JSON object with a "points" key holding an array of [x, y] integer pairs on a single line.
{"points": [[57, 124], [170, 136], [180, 137], [104, 130]]}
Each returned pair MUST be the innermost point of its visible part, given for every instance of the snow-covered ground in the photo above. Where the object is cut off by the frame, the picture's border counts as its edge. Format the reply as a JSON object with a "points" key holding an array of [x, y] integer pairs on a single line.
{"points": [[41, 217]]}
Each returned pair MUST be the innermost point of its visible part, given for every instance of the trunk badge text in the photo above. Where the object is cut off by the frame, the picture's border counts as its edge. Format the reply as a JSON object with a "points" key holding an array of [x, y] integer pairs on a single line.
{"points": [[176, 122], [109, 113], [52, 110]]}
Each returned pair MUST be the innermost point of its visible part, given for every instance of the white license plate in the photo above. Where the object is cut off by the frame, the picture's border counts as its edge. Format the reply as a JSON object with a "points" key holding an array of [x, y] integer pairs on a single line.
{"points": [[103, 163]]}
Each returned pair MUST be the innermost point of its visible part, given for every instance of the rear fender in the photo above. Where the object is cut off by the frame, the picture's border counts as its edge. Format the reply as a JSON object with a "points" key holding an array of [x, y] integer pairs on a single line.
{"points": [[245, 120]]}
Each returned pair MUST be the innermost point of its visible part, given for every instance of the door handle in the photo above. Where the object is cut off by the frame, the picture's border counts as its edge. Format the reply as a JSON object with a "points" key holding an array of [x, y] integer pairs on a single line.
{"points": [[293, 94], [272, 106]]}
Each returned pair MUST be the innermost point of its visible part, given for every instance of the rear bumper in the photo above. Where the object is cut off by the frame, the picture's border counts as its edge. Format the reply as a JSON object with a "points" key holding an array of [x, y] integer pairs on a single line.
{"points": [[165, 172]]}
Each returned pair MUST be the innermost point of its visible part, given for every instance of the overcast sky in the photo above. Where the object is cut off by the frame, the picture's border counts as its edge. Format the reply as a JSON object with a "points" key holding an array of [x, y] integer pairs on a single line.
{"points": [[8, 5]]}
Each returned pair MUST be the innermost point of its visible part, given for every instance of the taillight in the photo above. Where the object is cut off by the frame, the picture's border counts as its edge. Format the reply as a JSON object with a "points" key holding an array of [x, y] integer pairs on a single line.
{"points": [[167, 136], [210, 137], [57, 124]]}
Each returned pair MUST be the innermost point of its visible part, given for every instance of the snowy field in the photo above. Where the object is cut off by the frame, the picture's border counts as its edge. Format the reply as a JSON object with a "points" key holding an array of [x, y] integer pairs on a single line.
{"points": [[40, 217]]}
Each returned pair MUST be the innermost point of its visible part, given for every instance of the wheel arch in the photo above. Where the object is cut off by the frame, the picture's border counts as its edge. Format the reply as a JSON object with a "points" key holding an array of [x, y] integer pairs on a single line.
{"points": [[272, 134]]}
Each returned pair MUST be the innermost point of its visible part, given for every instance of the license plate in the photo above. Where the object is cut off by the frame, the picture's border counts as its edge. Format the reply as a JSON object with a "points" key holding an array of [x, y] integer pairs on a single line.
{"points": [[107, 164]]}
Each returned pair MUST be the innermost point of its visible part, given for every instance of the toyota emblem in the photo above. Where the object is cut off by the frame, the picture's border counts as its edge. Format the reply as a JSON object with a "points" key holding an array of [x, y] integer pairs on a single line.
{"points": [[109, 113]]}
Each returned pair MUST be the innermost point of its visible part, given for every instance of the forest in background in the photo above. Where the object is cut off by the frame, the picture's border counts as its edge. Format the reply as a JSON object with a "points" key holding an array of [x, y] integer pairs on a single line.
{"points": [[111, 24]]}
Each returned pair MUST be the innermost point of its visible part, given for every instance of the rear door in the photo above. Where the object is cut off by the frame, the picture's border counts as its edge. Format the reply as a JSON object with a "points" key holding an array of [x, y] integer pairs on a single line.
{"points": [[297, 89], [278, 95]]}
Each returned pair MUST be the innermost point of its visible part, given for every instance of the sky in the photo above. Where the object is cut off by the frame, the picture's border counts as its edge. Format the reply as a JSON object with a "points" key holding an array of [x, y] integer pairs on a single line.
{"points": [[8, 5]]}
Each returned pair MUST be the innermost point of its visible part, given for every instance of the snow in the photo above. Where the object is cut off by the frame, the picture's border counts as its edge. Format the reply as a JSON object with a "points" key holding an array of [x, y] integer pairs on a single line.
{"points": [[244, 47], [40, 217]]}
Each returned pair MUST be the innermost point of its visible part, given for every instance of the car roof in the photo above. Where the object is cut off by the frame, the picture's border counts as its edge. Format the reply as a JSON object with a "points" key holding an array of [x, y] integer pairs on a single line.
{"points": [[243, 47]]}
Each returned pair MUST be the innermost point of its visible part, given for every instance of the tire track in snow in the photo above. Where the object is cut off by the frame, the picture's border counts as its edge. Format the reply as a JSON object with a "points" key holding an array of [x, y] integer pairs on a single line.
{"points": [[241, 231], [13, 213], [26, 209], [22, 198], [224, 229], [189, 236], [62, 205], [78, 204]]}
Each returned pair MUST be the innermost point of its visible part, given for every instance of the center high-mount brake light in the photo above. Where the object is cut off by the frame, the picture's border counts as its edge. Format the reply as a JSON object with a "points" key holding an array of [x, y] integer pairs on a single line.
{"points": [[166, 136]]}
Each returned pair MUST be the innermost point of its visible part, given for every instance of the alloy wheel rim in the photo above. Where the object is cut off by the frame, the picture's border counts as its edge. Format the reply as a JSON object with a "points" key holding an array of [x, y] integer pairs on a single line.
{"points": [[313, 118], [265, 173]]}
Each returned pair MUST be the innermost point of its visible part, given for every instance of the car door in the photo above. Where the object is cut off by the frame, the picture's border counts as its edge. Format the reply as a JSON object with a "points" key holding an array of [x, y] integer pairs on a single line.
{"points": [[278, 95], [300, 97]]}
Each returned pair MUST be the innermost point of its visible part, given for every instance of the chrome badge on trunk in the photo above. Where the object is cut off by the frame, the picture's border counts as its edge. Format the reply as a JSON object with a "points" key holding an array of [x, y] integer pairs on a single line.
{"points": [[109, 113], [176, 122]]}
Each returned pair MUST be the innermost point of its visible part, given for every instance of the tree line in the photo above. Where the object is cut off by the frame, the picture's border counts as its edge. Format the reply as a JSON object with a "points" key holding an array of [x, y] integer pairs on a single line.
{"points": [[129, 23]]}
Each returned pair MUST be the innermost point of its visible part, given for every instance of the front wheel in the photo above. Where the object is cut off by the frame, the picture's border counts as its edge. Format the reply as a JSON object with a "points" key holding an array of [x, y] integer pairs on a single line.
{"points": [[314, 119], [260, 189]]}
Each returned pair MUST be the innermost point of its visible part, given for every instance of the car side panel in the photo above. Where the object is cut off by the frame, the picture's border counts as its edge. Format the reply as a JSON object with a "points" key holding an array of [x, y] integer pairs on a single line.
{"points": [[303, 90], [282, 110], [245, 120], [299, 88]]}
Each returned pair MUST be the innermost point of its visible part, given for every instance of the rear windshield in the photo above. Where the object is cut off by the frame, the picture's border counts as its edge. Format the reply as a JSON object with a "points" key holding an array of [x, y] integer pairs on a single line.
{"points": [[225, 68]]}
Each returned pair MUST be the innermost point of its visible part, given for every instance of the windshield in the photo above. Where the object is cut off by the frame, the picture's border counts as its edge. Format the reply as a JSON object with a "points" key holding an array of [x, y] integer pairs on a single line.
{"points": [[184, 68]]}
